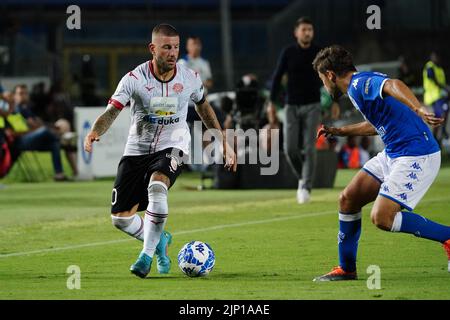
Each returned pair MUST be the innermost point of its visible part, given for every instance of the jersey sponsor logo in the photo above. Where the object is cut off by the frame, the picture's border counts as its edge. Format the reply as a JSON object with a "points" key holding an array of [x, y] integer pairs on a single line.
{"points": [[177, 88], [163, 106], [161, 120]]}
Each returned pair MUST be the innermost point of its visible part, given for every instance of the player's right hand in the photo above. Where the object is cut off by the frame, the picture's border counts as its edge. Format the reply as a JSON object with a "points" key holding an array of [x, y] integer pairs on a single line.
{"points": [[89, 139], [430, 118]]}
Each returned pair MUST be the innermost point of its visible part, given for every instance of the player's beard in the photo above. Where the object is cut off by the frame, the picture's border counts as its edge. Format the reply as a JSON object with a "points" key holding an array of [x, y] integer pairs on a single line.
{"points": [[163, 66]]}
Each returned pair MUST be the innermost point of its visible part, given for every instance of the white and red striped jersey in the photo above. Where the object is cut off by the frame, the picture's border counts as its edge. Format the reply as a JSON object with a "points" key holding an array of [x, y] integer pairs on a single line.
{"points": [[158, 108]]}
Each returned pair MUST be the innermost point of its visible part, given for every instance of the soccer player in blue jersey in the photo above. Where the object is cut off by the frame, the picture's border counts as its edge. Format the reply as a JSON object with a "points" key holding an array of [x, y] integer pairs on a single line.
{"points": [[399, 176]]}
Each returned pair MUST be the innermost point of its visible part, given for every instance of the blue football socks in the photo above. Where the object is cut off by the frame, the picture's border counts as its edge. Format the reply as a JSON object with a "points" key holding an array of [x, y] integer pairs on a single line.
{"points": [[348, 237], [410, 222]]}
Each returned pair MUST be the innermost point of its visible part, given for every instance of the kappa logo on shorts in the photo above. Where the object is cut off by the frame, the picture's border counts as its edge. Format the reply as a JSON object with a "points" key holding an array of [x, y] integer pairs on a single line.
{"points": [[416, 166], [409, 186], [412, 176], [386, 189], [403, 196]]}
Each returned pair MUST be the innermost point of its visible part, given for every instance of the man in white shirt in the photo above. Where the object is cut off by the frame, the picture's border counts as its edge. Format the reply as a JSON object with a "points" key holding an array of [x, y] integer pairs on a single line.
{"points": [[193, 60]]}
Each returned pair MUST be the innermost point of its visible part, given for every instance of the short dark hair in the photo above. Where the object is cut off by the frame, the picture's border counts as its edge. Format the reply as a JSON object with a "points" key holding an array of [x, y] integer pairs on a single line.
{"points": [[19, 86], [165, 29], [194, 37], [334, 58], [303, 20]]}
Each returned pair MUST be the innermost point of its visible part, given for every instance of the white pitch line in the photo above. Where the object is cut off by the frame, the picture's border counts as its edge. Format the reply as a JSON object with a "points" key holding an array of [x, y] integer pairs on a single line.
{"points": [[218, 227]]}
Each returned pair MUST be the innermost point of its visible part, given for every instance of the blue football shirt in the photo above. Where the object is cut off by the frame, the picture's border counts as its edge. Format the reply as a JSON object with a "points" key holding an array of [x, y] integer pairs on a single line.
{"points": [[403, 132]]}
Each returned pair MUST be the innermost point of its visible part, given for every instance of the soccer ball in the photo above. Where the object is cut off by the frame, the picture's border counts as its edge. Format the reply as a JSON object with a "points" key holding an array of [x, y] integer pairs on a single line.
{"points": [[196, 259]]}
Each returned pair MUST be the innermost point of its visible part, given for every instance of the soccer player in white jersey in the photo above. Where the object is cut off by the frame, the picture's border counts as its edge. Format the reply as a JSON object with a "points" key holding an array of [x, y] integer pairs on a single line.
{"points": [[158, 92], [399, 176]]}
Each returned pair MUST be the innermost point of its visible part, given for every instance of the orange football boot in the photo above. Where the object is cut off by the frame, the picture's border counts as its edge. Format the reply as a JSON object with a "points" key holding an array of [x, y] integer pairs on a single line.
{"points": [[446, 246], [337, 274]]}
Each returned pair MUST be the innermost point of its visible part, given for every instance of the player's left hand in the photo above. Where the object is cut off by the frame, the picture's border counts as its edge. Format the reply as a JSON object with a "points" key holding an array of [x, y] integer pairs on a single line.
{"points": [[230, 157], [429, 117], [327, 131]]}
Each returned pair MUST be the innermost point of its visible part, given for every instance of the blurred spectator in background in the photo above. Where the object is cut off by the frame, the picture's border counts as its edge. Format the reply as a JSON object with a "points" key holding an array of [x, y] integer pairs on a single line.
{"points": [[88, 83], [29, 133], [364, 154], [331, 110], [436, 93], [303, 105], [5, 153], [349, 154], [249, 102], [225, 114], [404, 72], [39, 100], [75, 90], [196, 62], [352, 155], [59, 106], [193, 60]]}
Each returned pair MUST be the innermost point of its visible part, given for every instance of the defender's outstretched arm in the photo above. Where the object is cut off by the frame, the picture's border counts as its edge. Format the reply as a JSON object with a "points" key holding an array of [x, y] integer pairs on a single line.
{"points": [[101, 125], [400, 91], [357, 129]]}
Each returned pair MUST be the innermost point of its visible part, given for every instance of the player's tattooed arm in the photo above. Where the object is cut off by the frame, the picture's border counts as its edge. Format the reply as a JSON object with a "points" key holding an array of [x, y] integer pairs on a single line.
{"points": [[209, 118], [357, 129], [101, 125], [400, 91]]}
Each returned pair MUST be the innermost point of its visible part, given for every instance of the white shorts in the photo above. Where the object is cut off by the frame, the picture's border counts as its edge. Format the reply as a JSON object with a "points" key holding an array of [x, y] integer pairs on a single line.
{"points": [[404, 180]]}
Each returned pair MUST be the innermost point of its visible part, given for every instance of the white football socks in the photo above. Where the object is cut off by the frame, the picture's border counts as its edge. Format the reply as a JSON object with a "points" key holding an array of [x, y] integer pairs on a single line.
{"points": [[155, 216], [134, 225]]}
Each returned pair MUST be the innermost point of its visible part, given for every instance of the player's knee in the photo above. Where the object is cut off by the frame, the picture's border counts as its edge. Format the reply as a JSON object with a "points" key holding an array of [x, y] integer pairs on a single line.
{"points": [[381, 220], [121, 222], [157, 197], [345, 201]]}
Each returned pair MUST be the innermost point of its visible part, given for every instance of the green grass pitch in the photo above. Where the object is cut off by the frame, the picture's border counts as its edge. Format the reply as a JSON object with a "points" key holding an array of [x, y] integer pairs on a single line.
{"points": [[266, 245]]}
